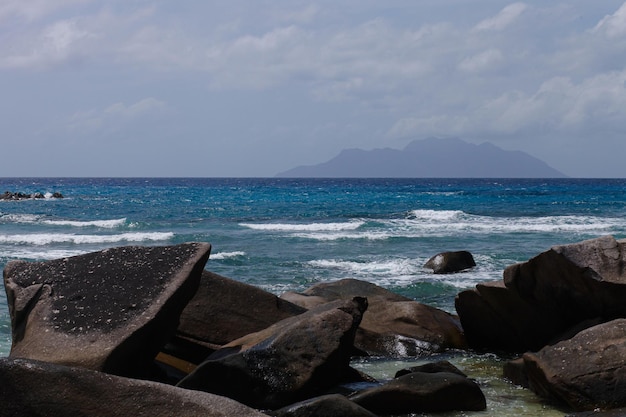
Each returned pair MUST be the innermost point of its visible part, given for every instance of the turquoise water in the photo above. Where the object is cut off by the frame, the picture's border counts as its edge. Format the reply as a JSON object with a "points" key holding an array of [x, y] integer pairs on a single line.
{"points": [[287, 234]]}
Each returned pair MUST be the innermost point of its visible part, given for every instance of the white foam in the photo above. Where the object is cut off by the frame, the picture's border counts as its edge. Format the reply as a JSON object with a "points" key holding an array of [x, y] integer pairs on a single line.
{"points": [[50, 238], [19, 218], [41, 254], [304, 227], [105, 224], [227, 255]]}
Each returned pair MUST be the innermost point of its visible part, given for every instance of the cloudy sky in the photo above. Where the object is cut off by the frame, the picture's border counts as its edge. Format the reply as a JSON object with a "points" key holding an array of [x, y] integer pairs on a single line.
{"points": [[255, 87]]}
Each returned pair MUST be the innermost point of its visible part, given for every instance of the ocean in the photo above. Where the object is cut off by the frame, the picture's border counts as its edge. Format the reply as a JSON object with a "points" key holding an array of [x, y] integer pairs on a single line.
{"points": [[288, 234]]}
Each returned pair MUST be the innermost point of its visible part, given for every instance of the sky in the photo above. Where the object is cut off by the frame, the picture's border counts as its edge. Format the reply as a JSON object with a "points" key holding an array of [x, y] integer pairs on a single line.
{"points": [[251, 88]]}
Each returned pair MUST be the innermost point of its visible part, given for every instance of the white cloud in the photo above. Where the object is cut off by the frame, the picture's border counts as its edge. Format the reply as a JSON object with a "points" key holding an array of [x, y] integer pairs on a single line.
{"points": [[486, 60], [33, 9], [114, 115], [504, 18], [613, 25]]}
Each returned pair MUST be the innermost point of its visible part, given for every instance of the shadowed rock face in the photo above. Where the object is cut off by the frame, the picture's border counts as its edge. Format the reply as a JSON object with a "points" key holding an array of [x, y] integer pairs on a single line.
{"points": [[224, 310], [110, 310], [38, 389], [539, 301]]}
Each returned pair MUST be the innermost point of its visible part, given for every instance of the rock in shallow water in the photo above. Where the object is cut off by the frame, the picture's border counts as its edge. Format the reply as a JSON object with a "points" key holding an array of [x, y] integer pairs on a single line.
{"points": [[450, 262], [110, 310]]}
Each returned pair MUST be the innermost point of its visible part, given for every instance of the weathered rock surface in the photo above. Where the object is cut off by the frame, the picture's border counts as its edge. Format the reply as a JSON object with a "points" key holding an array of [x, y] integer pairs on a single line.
{"points": [[423, 392], [110, 310], [585, 372], [37, 389], [393, 325], [542, 299], [292, 360], [224, 310], [332, 405], [450, 262]]}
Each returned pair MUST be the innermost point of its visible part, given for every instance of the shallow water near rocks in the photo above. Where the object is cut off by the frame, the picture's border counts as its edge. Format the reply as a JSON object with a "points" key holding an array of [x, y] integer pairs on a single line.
{"points": [[504, 399]]}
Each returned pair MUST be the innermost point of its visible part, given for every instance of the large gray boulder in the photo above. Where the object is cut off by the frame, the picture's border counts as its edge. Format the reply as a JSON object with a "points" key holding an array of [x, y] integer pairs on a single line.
{"points": [[419, 392], [38, 389], [292, 360], [393, 325], [585, 372], [540, 301], [110, 310]]}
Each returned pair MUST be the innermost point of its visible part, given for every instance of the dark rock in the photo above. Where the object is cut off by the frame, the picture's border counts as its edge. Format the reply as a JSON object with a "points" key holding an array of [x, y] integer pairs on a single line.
{"points": [[8, 195], [333, 405], [110, 310], [515, 371], [450, 262], [496, 318], [431, 368], [541, 300], [423, 392], [294, 359], [224, 310], [393, 325], [585, 372], [38, 389]]}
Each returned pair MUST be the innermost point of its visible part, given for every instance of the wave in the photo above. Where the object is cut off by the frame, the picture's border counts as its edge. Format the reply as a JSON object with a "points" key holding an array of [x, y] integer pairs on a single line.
{"points": [[299, 227], [30, 254], [105, 224], [404, 272], [34, 218], [227, 255], [50, 238], [441, 223]]}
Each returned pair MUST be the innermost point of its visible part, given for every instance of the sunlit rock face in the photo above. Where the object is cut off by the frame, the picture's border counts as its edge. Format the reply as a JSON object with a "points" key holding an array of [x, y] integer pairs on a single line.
{"points": [[110, 310]]}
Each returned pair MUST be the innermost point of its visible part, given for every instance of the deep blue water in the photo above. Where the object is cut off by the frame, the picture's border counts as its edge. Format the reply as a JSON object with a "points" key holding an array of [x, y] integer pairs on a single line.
{"points": [[286, 234]]}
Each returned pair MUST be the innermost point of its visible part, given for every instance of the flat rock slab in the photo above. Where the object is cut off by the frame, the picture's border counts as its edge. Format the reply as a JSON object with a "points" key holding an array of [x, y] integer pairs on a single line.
{"points": [[110, 310], [39, 389]]}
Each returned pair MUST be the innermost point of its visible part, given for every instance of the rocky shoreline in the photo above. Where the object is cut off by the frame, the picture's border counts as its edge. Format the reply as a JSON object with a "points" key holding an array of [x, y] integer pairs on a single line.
{"points": [[14, 196], [148, 331]]}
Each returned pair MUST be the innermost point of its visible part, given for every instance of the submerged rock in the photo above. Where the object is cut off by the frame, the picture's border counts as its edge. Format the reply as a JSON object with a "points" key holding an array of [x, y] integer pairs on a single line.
{"points": [[450, 262], [393, 325], [38, 389], [110, 310], [294, 359], [418, 392]]}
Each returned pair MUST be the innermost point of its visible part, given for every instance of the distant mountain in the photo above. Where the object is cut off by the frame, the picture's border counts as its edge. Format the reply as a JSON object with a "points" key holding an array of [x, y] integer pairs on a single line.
{"points": [[429, 158]]}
